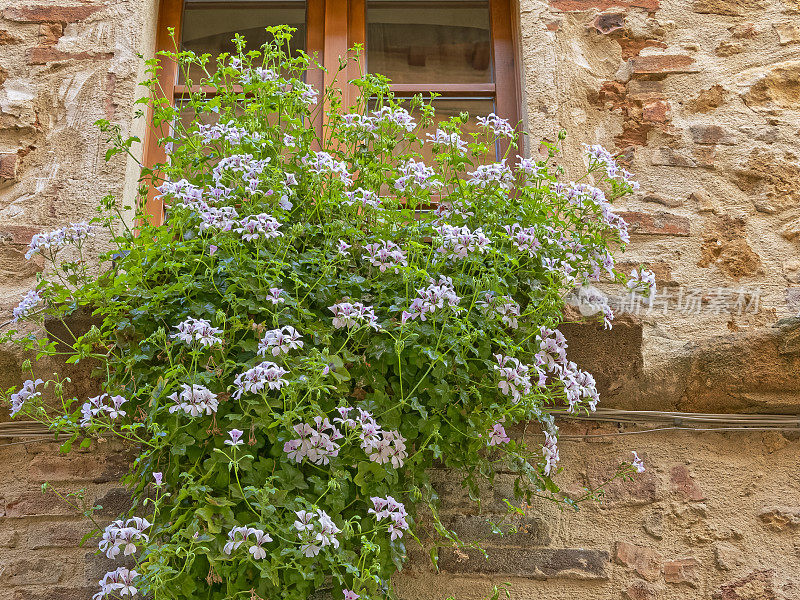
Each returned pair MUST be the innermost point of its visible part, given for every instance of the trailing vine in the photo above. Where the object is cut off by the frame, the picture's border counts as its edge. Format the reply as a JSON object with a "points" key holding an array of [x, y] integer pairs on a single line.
{"points": [[323, 317]]}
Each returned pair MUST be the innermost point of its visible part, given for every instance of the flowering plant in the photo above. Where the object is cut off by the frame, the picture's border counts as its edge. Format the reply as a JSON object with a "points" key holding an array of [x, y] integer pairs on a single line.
{"points": [[322, 318]]}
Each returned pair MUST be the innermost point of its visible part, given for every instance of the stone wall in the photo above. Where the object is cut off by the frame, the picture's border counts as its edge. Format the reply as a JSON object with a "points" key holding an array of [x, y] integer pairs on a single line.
{"points": [[703, 99]]}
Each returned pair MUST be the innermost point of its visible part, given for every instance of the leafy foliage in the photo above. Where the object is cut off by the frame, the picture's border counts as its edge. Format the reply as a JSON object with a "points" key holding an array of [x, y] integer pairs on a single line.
{"points": [[322, 319]]}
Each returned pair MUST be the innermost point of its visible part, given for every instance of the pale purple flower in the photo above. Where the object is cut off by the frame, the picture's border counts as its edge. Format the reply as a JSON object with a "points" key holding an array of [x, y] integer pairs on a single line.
{"points": [[394, 511], [442, 138], [117, 584], [500, 127], [497, 435], [491, 175], [198, 330], [460, 242], [322, 163], [258, 226], [415, 174], [317, 444], [353, 315], [265, 375], [350, 595], [397, 116], [74, 233], [236, 537], [390, 447], [212, 249], [278, 341], [260, 538], [550, 453], [27, 392], [26, 306], [637, 462], [386, 255], [514, 377], [158, 476], [503, 306], [316, 531], [123, 536], [343, 247], [274, 296], [236, 438], [641, 279], [362, 197], [525, 239], [194, 400], [438, 295], [102, 404]]}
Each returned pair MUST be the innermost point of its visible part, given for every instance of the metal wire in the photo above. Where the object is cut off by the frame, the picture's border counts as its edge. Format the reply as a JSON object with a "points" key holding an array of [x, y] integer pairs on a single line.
{"points": [[672, 421]]}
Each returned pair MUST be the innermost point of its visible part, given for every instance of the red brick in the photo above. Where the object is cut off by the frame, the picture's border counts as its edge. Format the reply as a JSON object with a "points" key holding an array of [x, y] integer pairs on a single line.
{"points": [[581, 5], [646, 561], [41, 55], [8, 162], [6, 38], [684, 570], [18, 234], [660, 223], [50, 33], [663, 64], [684, 484], [49, 14], [656, 111]]}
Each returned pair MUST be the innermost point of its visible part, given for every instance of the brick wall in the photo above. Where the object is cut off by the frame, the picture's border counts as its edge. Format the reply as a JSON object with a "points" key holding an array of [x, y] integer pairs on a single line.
{"points": [[703, 99]]}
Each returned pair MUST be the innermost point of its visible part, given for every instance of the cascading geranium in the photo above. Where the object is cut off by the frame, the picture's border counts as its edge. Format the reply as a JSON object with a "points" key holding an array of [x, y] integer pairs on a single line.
{"points": [[320, 321]]}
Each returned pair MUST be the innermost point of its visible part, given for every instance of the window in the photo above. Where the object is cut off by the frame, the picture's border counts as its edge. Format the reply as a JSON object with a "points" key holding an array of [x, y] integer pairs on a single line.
{"points": [[462, 50]]}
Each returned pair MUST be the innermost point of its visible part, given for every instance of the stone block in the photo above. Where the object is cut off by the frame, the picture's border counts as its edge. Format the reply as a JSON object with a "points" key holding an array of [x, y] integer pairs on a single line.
{"points": [[663, 64], [57, 534], [530, 531], [41, 55], [640, 590], [84, 466], [712, 134], [645, 561], [53, 593], [708, 100], [684, 570], [7, 38], [660, 223], [758, 585], [731, 8], [9, 163], [536, 563], [780, 518], [684, 485], [668, 157], [31, 570], [656, 111], [788, 32], [593, 5]]}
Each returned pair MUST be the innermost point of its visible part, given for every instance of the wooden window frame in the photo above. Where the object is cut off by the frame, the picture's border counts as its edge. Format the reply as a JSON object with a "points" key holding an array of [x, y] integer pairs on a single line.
{"points": [[333, 27]]}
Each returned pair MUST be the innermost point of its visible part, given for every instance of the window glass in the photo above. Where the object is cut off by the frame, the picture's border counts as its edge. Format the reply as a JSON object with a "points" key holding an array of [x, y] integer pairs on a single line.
{"points": [[429, 41], [209, 26]]}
